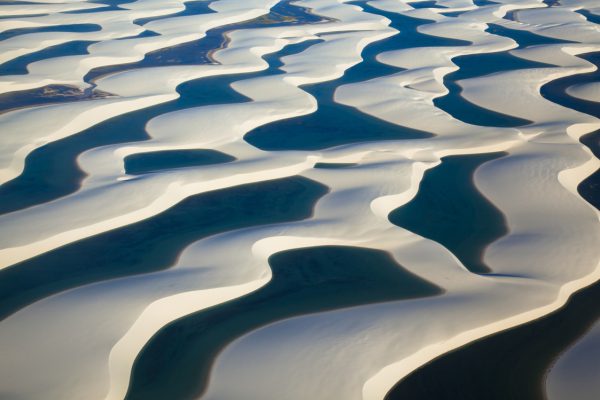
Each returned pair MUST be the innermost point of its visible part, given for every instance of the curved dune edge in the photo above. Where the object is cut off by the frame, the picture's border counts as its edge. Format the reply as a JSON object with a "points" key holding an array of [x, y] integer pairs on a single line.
{"points": [[236, 180], [261, 245], [157, 315], [47, 7], [29, 127], [378, 385], [105, 165], [376, 337], [587, 91], [115, 25], [382, 382], [574, 373]]}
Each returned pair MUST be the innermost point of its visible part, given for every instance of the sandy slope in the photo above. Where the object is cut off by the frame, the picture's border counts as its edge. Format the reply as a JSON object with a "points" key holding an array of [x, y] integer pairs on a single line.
{"points": [[94, 332]]}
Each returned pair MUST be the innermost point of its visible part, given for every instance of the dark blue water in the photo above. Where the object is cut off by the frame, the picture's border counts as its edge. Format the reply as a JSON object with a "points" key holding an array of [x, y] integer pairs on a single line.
{"points": [[191, 8], [198, 51], [335, 124], [551, 3], [524, 39], [452, 14], [589, 188], [425, 4], [449, 209], [46, 95], [513, 364], [176, 362], [144, 34], [111, 5], [21, 16], [476, 65], [323, 165], [143, 163], [18, 66], [508, 365], [59, 28], [482, 3], [594, 18], [155, 243], [555, 91], [51, 170], [17, 3], [50, 94], [511, 15]]}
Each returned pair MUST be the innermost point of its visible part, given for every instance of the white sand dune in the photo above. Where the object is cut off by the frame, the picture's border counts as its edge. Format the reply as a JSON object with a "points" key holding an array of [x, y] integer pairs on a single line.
{"points": [[115, 25], [46, 7], [299, 103], [95, 332], [576, 374], [27, 128], [586, 91], [542, 172]]}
